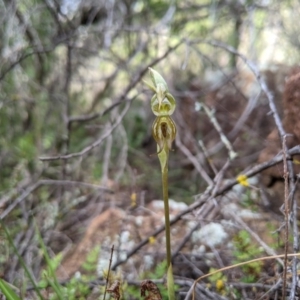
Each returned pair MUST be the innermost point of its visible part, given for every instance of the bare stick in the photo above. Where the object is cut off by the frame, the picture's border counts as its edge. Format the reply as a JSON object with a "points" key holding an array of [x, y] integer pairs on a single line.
{"points": [[97, 142], [106, 160], [185, 239], [131, 85], [296, 240], [286, 213], [268, 250], [204, 197], [40, 183], [227, 144], [282, 134], [239, 265], [260, 80], [109, 268], [194, 161]]}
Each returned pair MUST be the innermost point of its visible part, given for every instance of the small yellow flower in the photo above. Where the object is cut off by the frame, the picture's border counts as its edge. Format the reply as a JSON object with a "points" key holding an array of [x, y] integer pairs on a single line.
{"points": [[220, 285], [243, 180], [133, 200], [296, 161], [152, 240]]}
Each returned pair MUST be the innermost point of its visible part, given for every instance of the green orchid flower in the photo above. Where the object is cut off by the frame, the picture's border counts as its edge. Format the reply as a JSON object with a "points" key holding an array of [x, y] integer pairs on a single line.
{"points": [[163, 106], [164, 131]]}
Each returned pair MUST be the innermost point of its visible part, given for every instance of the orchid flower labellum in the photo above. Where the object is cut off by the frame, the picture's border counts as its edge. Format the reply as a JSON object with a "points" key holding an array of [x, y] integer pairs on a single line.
{"points": [[164, 132]]}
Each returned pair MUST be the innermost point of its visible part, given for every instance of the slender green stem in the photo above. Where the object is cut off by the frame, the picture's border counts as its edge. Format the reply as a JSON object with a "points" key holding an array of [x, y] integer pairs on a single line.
{"points": [[167, 214]]}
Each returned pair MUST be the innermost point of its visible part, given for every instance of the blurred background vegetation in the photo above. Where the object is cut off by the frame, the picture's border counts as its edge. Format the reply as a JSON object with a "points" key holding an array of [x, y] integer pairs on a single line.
{"points": [[71, 84]]}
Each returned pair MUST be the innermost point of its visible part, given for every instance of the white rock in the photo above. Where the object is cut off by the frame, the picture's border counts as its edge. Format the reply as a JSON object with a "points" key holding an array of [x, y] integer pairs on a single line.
{"points": [[212, 234]]}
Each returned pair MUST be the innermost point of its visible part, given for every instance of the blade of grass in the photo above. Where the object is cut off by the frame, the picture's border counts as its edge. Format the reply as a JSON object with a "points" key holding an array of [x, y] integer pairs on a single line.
{"points": [[53, 279], [9, 238], [8, 291]]}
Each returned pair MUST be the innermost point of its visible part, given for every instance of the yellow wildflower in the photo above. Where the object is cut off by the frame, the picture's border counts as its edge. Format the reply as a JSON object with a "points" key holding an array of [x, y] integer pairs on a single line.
{"points": [[243, 180]]}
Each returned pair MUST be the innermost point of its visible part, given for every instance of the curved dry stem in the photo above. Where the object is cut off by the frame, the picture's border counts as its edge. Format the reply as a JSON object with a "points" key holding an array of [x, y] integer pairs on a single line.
{"points": [[240, 264]]}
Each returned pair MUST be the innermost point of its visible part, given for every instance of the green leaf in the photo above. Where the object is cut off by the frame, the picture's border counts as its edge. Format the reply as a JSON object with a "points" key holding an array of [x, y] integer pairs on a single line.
{"points": [[163, 156], [170, 283], [8, 291], [160, 270]]}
